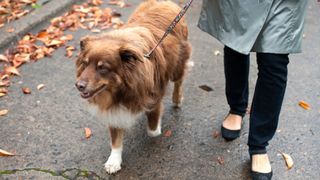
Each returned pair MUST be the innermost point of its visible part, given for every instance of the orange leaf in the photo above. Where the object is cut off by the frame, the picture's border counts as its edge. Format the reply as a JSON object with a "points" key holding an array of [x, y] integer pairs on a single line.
{"points": [[69, 53], [68, 37], [3, 112], [304, 105], [10, 30], [87, 132], [5, 76], [168, 133], [26, 90], [11, 70], [3, 58], [288, 159], [40, 86], [54, 43], [5, 153], [3, 90], [43, 34], [4, 83], [215, 134], [220, 160]]}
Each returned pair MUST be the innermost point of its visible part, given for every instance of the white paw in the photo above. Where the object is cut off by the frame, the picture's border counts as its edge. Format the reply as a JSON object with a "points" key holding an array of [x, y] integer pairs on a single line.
{"points": [[178, 104], [113, 164], [156, 132]]}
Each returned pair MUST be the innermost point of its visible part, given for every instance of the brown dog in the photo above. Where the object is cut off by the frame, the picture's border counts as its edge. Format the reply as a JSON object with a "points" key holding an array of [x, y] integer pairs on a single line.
{"points": [[120, 83]]}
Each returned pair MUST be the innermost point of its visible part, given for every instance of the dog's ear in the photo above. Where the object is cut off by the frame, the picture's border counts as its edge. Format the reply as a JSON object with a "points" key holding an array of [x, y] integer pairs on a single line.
{"points": [[84, 42]]}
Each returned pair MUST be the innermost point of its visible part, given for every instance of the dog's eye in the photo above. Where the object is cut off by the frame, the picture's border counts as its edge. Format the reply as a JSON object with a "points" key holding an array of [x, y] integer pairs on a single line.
{"points": [[85, 62], [102, 69]]}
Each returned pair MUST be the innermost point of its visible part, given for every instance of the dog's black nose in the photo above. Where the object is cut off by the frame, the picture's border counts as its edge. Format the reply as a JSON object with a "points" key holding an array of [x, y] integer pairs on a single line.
{"points": [[81, 85]]}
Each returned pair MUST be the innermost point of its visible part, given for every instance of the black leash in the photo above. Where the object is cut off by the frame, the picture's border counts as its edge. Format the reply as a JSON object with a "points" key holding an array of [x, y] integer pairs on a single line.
{"points": [[172, 25]]}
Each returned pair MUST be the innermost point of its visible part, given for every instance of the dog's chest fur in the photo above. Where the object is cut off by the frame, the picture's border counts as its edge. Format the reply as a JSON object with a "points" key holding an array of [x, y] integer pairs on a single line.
{"points": [[119, 117]]}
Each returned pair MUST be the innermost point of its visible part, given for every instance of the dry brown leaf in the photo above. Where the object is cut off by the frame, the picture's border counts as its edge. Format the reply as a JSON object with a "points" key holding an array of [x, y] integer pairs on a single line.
{"points": [[96, 2], [69, 53], [5, 76], [10, 30], [68, 37], [2, 94], [95, 30], [4, 10], [215, 134], [304, 105], [26, 90], [3, 112], [220, 160], [3, 58], [11, 70], [5, 83], [40, 86], [288, 159], [5, 153], [87, 132], [3, 90], [54, 43], [206, 88], [168, 133]]}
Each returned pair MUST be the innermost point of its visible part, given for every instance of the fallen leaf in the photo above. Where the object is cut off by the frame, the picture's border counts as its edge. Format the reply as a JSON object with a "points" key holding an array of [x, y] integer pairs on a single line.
{"points": [[40, 86], [10, 30], [5, 76], [11, 70], [26, 90], [206, 88], [215, 134], [168, 133], [54, 43], [3, 58], [3, 90], [95, 30], [4, 83], [217, 52], [220, 160], [304, 105], [2, 94], [5, 153], [3, 112], [288, 159], [88, 132]]}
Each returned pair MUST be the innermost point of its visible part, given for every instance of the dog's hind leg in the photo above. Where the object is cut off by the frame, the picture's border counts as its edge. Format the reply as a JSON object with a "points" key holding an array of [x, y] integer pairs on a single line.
{"points": [[114, 161], [154, 121], [177, 95]]}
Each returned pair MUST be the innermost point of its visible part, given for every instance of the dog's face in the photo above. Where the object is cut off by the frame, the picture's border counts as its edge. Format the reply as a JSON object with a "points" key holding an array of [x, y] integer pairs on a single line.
{"points": [[108, 66]]}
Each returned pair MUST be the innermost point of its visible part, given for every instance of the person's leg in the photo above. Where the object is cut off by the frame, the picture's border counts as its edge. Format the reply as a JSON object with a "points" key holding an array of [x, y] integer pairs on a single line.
{"points": [[267, 100], [236, 69], [266, 106]]}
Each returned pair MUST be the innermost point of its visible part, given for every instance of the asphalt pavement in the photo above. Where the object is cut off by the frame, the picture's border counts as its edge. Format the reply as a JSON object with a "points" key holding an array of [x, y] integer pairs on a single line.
{"points": [[46, 128]]}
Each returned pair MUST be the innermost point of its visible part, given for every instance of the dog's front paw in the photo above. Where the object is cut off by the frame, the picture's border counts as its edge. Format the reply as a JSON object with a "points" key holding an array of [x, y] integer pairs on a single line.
{"points": [[154, 133], [112, 166]]}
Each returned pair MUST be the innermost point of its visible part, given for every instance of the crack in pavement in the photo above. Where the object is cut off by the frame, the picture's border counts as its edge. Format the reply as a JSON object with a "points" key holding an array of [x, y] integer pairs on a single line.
{"points": [[67, 173]]}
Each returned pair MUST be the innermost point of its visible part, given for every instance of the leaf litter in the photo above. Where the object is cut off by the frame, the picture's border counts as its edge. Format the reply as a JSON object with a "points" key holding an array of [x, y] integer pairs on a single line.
{"points": [[33, 47]]}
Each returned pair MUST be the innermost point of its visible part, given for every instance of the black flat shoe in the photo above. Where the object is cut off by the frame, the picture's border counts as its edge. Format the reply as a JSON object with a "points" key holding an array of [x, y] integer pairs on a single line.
{"points": [[228, 134], [261, 176]]}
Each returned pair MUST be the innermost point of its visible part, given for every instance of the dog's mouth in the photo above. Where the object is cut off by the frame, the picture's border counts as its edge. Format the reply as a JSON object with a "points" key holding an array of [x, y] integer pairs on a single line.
{"points": [[95, 92]]}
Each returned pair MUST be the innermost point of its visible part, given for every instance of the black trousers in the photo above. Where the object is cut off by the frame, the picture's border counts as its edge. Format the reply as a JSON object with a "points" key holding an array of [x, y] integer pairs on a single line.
{"points": [[268, 94]]}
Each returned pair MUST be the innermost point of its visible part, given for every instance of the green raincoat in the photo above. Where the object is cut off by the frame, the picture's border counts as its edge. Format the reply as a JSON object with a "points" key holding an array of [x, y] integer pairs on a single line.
{"points": [[269, 26]]}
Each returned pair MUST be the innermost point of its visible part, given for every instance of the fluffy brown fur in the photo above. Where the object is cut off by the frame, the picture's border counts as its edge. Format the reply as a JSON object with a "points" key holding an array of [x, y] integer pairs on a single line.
{"points": [[112, 70]]}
